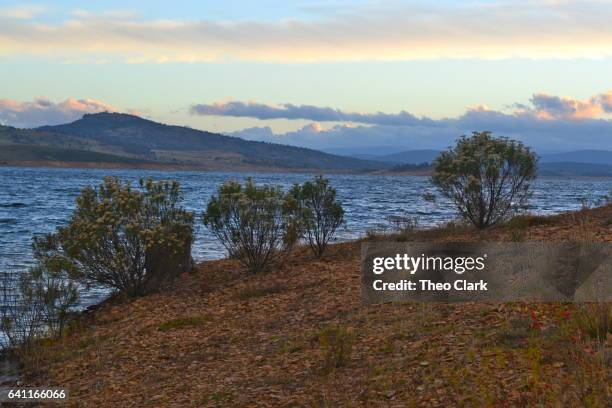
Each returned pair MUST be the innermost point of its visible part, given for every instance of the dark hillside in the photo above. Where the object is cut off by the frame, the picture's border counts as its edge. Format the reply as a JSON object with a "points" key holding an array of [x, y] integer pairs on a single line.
{"points": [[135, 136]]}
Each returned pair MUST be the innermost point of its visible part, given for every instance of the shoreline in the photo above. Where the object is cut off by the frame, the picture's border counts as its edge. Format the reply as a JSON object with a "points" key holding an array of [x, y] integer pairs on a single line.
{"points": [[178, 168], [192, 169], [211, 276], [220, 332]]}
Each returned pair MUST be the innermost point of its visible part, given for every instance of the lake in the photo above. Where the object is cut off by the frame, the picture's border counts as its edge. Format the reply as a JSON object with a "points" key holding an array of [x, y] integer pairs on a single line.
{"points": [[35, 201]]}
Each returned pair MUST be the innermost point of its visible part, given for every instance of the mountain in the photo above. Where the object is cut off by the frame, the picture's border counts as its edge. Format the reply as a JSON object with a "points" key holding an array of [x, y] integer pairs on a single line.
{"points": [[411, 156], [428, 155], [579, 156], [120, 140], [128, 139], [389, 155], [373, 151], [386, 154]]}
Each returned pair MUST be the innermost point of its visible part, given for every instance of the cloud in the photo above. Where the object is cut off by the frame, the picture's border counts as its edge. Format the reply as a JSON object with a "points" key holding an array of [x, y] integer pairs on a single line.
{"points": [[605, 100], [24, 12], [543, 106], [290, 111], [42, 111], [555, 107], [374, 31], [547, 123]]}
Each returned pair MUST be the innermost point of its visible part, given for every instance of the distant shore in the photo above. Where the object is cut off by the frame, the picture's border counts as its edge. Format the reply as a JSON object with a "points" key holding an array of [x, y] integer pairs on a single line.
{"points": [[184, 167]]}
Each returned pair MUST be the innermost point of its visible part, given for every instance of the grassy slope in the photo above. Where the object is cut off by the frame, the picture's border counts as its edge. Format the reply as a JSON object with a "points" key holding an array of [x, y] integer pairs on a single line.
{"points": [[20, 153], [223, 338]]}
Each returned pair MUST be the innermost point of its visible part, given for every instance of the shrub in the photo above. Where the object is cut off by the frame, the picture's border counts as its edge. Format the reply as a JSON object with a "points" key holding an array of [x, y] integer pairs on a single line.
{"points": [[251, 222], [22, 318], [35, 304], [594, 320], [261, 291], [183, 322], [404, 224], [129, 240], [57, 293], [337, 344], [486, 178], [318, 212]]}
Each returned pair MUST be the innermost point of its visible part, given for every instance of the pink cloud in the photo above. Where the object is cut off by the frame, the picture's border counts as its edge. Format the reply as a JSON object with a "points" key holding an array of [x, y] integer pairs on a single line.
{"points": [[42, 111], [560, 107]]}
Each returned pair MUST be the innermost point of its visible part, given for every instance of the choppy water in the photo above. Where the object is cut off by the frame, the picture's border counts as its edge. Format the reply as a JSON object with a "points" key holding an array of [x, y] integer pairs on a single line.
{"points": [[37, 200]]}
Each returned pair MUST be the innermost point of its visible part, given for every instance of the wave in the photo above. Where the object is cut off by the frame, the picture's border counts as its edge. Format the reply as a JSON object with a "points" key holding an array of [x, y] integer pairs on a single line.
{"points": [[13, 205]]}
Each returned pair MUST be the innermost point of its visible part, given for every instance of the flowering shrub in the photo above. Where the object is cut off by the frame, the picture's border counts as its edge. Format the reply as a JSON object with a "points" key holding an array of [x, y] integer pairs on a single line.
{"points": [[486, 178], [131, 240]]}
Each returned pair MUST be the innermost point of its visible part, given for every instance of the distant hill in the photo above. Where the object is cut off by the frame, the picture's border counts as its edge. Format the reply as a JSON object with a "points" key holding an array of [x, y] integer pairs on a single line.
{"points": [[122, 140], [402, 157], [581, 163], [373, 151], [428, 155], [32, 153], [129, 139], [411, 156], [568, 169], [579, 156]]}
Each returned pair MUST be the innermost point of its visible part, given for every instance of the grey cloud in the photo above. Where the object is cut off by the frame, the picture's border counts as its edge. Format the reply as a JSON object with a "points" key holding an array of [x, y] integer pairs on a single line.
{"points": [[542, 105], [547, 122], [555, 105], [309, 112], [543, 135], [606, 102]]}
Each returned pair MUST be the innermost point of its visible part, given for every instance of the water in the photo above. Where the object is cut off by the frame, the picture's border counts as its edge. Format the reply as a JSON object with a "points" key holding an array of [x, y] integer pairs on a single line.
{"points": [[35, 201]]}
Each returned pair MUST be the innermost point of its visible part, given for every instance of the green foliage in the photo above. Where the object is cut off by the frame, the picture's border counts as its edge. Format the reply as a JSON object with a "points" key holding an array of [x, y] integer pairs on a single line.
{"points": [[252, 222], [486, 178], [129, 240], [594, 320], [317, 212], [35, 304], [337, 344], [55, 290], [183, 322]]}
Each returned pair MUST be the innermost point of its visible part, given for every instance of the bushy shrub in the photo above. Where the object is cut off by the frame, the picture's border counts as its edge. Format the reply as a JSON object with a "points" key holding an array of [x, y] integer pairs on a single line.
{"points": [[317, 212], [337, 345], [252, 223], [126, 239], [486, 178]]}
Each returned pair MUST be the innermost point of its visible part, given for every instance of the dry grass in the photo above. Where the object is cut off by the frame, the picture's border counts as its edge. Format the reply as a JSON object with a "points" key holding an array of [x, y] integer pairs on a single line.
{"points": [[265, 345], [182, 323]]}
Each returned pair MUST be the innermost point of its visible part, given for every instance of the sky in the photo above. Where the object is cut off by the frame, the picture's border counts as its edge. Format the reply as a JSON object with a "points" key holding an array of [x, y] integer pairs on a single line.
{"points": [[358, 75]]}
